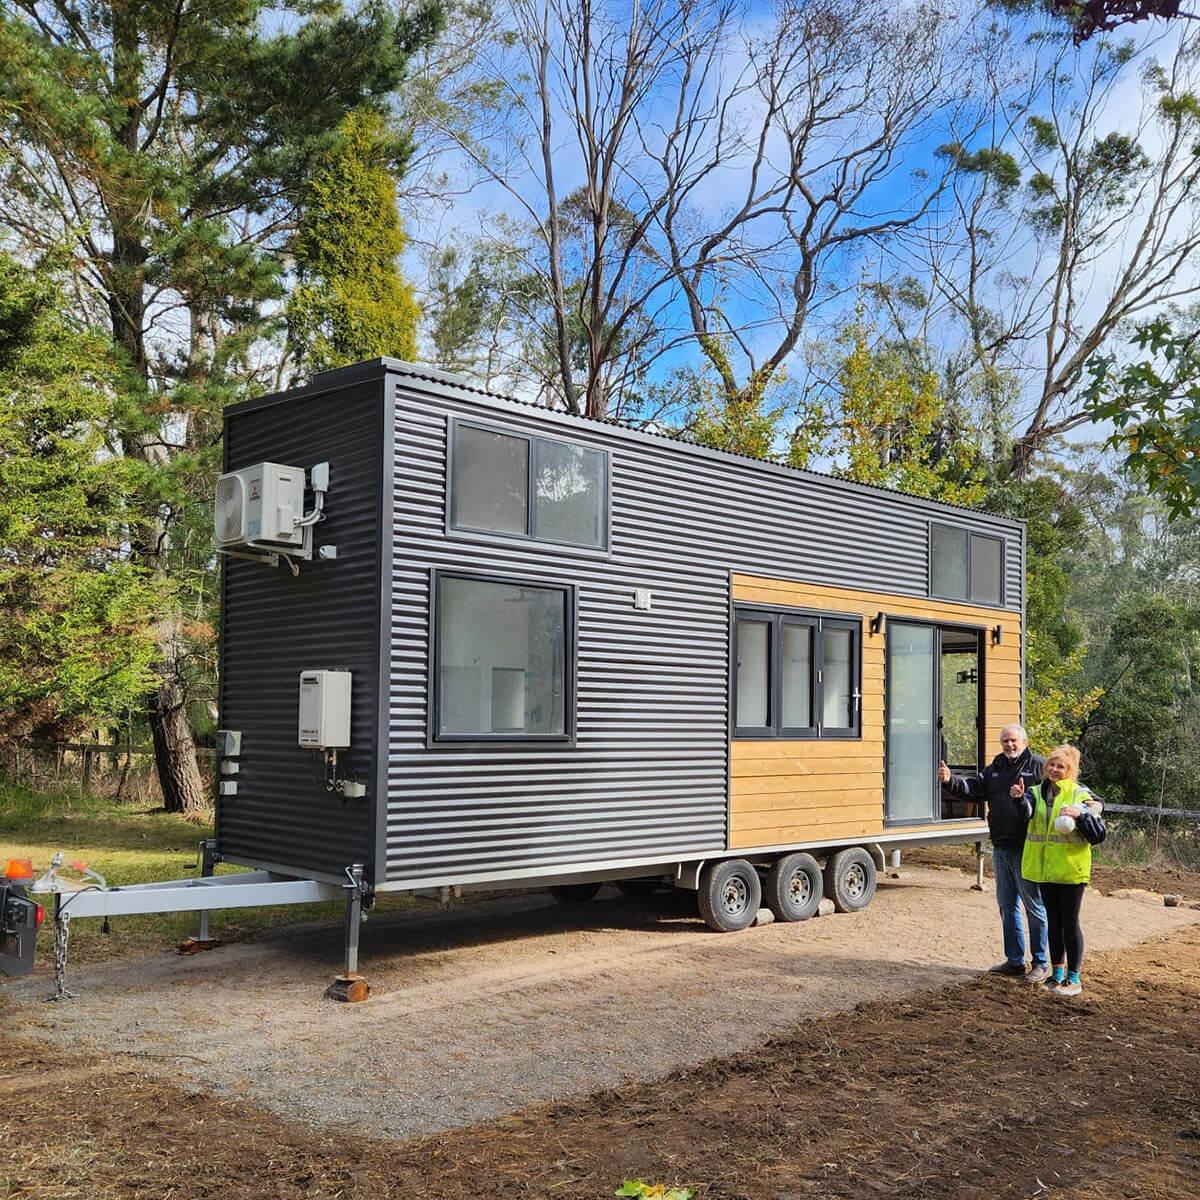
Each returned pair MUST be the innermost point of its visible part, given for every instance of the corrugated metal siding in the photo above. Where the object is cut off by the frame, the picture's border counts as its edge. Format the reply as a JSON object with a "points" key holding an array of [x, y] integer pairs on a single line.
{"points": [[276, 625], [647, 776]]}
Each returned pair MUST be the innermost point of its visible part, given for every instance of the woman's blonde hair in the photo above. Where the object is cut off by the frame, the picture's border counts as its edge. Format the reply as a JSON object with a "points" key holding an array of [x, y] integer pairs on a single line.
{"points": [[1069, 755]]}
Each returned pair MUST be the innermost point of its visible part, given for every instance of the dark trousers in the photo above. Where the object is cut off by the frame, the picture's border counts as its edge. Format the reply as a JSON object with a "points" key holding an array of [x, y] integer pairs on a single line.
{"points": [[1062, 901]]}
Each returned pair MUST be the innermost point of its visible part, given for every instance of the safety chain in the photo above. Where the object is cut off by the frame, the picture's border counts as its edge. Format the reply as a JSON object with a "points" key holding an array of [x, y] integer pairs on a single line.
{"points": [[62, 937]]}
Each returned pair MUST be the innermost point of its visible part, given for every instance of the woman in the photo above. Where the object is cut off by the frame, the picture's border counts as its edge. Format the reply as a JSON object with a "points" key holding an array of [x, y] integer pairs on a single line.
{"points": [[1060, 862]]}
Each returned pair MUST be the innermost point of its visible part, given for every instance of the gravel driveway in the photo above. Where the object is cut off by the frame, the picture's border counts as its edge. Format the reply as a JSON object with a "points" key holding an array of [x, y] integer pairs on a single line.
{"points": [[482, 1009]]}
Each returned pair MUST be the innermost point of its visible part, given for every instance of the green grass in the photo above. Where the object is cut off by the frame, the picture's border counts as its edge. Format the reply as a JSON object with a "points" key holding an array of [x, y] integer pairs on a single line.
{"points": [[130, 844]]}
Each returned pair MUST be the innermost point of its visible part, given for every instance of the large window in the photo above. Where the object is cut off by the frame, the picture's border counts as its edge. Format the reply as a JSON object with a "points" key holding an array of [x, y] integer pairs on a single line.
{"points": [[525, 486], [796, 674], [502, 659], [965, 565]]}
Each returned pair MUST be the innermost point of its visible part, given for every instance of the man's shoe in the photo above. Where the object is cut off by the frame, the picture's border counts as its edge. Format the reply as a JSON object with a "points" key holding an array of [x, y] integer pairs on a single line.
{"points": [[1038, 975], [1012, 970]]}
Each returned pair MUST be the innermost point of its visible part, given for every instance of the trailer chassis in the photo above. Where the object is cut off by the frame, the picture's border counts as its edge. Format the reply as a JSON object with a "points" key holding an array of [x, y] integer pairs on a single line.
{"points": [[250, 889], [260, 887]]}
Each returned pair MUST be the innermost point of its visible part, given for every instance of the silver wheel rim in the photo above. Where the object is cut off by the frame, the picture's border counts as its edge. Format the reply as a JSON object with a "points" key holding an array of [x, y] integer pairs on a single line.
{"points": [[799, 888], [856, 881], [735, 896]]}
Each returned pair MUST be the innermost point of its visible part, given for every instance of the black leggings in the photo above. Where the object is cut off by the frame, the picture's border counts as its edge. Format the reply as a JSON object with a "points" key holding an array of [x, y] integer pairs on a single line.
{"points": [[1062, 901]]}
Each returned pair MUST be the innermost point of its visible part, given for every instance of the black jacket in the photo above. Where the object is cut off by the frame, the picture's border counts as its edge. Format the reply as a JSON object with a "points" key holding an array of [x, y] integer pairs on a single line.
{"points": [[1007, 822]]}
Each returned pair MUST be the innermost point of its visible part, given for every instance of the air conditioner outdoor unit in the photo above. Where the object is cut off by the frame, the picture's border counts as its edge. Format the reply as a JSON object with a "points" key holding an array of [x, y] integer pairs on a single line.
{"points": [[260, 506]]}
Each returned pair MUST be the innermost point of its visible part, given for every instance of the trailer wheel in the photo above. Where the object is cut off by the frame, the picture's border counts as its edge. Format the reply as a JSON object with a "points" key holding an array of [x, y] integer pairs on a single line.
{"points": [[850, 879], [729, 895], [794, 887], [575, 893]]}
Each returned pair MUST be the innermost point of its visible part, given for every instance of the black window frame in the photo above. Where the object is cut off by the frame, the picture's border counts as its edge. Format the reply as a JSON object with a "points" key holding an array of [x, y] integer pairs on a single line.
{"points": [[971, 535], [776, 619], [434, 736], [533, 442]]}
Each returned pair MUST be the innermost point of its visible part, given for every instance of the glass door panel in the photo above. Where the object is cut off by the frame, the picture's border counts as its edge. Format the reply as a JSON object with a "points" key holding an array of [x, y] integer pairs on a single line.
{"points": [[912, 730]]}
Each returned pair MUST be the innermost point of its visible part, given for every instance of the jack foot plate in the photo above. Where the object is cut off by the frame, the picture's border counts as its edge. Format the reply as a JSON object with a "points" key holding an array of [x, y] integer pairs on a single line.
{"points": [[350, 989], [192, 945]]}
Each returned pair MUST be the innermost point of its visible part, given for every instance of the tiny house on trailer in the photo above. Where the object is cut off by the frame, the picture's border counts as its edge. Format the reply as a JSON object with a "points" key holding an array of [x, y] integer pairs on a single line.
{"points": [[509, 646]]}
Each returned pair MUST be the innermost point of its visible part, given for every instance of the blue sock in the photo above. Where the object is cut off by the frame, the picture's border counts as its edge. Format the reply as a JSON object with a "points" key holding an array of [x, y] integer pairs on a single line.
{"points": [[1072, 976], [1060, 973]]}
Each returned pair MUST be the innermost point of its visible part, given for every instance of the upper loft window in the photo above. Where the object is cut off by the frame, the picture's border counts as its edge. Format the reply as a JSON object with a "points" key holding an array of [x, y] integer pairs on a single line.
{"points": [[521, 485], [965, 565]]}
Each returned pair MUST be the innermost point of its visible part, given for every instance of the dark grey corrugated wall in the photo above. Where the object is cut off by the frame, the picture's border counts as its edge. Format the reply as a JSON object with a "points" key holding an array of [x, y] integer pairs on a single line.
{"points": [[647, 777], [275, 626]]}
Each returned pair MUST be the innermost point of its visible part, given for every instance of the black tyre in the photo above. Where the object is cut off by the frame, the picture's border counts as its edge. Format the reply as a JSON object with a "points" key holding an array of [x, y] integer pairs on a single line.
{"points": [[638, 889], [729, 895], [850, 879], [575, 893], [794, 887]]}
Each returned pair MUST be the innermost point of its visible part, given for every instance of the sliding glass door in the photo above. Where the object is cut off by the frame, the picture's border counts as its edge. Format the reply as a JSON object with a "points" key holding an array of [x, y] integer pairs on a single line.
{"points": [[912, 722]]}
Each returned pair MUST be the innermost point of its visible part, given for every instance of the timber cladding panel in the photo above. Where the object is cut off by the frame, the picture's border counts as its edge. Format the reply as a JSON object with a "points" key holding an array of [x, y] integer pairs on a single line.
{"points": [[782, 791]]}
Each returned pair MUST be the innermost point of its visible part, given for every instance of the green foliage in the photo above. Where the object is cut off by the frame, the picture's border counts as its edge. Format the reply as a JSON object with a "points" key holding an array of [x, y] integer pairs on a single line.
{"points": [[997, 165], [1141, 740], [894, 428], [750, 424], [1059, 698], [656, 1191], [76, 618], [350, 302], [1154, 406]]}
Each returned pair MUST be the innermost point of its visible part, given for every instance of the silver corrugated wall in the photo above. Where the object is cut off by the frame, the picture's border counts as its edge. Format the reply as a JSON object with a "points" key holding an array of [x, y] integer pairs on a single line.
{"points": [[647, 777]]}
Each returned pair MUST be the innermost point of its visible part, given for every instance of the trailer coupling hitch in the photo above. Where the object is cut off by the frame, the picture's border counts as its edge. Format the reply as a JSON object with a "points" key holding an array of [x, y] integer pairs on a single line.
{"points": [[64, 891]]}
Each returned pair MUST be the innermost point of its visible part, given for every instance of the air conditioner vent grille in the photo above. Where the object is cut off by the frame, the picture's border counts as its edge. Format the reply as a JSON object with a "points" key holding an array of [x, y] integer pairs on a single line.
{"points": [[230, 508]]}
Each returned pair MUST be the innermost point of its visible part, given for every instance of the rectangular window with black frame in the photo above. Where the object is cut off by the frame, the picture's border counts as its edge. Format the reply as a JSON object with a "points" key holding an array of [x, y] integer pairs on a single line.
{"points": [[965, 565], [522, 486], [502, 659], [797, 674]]}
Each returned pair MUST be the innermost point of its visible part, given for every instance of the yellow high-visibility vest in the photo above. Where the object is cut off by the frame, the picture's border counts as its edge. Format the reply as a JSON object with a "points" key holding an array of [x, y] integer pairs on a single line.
{"points": [[1050, 856]]}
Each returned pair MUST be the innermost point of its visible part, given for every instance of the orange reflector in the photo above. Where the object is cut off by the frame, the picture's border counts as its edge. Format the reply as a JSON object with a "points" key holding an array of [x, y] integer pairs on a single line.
{"points": [[19, 868]]}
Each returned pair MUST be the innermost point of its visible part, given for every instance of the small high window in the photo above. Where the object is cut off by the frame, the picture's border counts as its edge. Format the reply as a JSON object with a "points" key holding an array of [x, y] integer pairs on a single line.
{"points": [[502, 659], [797, 675], [524, 486], [965, 565]]}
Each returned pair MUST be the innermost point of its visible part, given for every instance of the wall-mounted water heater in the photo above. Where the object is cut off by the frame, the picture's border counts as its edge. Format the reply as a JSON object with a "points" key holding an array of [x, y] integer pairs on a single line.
{"points": [[325, 710]]}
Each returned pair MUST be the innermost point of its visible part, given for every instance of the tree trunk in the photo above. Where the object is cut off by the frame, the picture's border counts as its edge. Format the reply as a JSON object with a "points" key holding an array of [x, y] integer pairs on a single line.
{"points": [[175, 751], [125, 282]]}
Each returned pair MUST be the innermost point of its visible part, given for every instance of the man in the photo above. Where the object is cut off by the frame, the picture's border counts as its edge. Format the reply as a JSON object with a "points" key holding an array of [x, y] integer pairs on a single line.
{"points": [[1007, 824]]}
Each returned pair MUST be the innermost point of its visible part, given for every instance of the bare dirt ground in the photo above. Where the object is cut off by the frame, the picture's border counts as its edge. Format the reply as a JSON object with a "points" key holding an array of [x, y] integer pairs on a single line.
{"points": [[482, 1010], [983, 1089]]}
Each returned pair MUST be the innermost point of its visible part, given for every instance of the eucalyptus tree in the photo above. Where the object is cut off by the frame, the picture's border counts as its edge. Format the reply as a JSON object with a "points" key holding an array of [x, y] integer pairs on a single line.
{"points": [[1077, 216], [695, 174]]}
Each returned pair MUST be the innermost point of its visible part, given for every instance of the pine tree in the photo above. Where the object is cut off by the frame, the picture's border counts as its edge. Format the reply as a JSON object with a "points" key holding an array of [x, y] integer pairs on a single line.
{"points": [[76, 617], [171, 144], [351, 301]]}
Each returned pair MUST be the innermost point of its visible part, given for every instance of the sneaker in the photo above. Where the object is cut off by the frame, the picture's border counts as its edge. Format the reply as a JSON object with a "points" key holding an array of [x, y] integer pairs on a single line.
{"points": [[1038, 975], [1050, 984], [1013, 970], [1068, 988]]}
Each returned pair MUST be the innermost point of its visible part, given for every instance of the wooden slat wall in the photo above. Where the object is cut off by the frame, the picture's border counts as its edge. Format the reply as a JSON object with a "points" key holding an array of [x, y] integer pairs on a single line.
{"points": [[785, 792]]}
